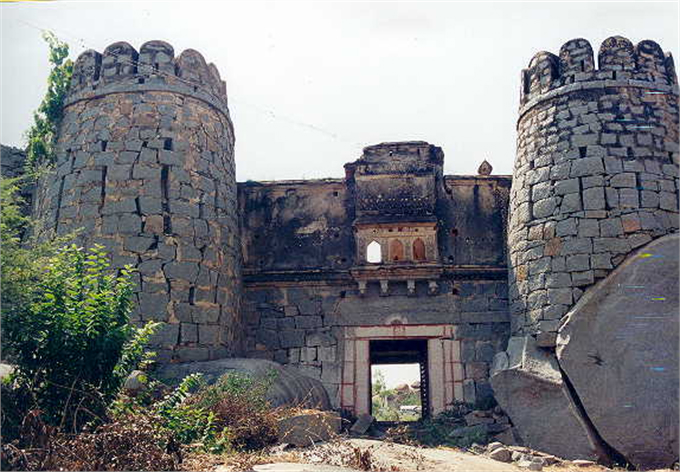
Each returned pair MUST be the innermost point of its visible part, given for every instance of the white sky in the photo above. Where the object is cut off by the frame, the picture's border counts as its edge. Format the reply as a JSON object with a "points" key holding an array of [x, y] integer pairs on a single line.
{"points": [[397, 374], [310, 84]]}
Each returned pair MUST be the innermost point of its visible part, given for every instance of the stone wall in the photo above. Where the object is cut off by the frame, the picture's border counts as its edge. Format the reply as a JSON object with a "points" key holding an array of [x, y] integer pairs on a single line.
{"points": [[299, 294], [308, 224], [596, 173], [302, 324], [145, 167], [12, 161]]}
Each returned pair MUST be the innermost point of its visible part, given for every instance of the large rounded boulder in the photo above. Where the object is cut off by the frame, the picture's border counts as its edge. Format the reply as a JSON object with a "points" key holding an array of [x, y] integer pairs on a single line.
{"points": [[619, 348], [289, 387]]}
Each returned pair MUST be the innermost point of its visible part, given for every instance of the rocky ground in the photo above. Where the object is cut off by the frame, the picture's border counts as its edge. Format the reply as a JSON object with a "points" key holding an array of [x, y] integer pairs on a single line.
{"points": [[354, 455]]}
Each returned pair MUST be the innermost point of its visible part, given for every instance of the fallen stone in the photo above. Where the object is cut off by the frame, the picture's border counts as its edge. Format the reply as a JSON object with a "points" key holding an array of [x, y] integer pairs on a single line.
{"points": [[583, 463], [501, 454], [307, 429], [619, 348], [535, 465], [135, 382], [506, 437], [493, 445], [289, 387], [528, 386], [361, 425], [6, 370]]}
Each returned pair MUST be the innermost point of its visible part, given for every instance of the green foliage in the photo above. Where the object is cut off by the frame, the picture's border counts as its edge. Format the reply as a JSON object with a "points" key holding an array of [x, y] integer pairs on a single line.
{"points": [[449, 429], [187, 386], [386, 403], [72, 339], [232, 414], [19, 265], [135, 355], [42, 135]]}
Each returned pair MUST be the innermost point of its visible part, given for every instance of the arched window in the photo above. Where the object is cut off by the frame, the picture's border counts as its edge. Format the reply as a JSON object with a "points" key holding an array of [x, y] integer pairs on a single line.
{"points": [[396, 250], [418, 250], [374, 252]]}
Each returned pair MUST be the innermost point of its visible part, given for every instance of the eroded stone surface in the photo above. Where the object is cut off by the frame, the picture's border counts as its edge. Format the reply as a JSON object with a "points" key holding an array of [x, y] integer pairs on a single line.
{"points": [[289, 387], [619, 348], [528, 386]]}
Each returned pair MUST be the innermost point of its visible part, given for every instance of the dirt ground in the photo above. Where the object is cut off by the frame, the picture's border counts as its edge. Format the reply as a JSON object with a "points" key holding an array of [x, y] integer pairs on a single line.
{"points": [[355, 455]]}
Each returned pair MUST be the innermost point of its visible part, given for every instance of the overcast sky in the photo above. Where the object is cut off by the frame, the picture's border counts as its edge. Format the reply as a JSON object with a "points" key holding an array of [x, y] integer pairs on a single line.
{"points": [[310, 84]]}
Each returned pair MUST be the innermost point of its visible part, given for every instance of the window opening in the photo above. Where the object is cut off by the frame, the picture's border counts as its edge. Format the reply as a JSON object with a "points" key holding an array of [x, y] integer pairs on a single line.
{"points": [[374, 252]]}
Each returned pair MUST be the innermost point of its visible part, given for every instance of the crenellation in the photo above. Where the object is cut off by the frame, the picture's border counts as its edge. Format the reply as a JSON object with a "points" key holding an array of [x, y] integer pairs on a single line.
{"points": [[283, 270], [613, 133]]}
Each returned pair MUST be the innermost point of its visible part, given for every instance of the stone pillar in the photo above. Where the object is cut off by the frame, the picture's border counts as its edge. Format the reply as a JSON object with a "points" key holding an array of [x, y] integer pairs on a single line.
{"points": [[596, 173], [145, 167]]}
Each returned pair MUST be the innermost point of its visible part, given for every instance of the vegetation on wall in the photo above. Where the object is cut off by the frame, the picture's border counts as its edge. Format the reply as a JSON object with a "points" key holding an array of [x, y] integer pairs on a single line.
{"points": [[42, 135]]}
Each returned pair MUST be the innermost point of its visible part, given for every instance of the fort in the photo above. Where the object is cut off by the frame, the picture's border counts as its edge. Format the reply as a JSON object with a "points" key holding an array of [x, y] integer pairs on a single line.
{"points": [[487, 281]]}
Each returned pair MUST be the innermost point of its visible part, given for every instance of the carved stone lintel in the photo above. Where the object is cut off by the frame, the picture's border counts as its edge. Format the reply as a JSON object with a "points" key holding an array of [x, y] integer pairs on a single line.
{"points": [[362, 287], [411, 286], [433, 287], [384, 287]]}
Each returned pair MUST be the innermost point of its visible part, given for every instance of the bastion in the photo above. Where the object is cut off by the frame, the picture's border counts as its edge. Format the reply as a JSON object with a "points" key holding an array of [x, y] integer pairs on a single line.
{"points": [[503, 289]]}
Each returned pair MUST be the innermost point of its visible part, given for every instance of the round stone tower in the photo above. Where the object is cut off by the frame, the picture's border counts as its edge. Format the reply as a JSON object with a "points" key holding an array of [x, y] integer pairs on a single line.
{"points": [[145, 167], [596, 173]]}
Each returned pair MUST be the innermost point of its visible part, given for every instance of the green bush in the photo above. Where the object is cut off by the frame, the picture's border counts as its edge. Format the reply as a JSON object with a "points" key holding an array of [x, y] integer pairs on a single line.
{"points": [[231, 414], [69, 339]]}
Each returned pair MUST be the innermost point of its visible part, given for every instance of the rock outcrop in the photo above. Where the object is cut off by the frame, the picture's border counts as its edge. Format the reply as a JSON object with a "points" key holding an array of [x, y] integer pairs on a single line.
{"points": [[528, 386], [619, 348], [288, 388]]}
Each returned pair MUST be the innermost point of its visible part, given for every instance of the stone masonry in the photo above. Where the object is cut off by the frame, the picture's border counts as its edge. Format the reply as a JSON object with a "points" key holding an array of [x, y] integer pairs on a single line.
{"points": [[596, 173], [482, 269], [145, 167], [305, 266]]}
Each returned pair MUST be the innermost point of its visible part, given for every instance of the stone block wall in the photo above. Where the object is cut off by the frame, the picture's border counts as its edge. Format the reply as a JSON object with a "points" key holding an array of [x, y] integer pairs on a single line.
{"points": [[596, 173], [303, 324], [299, 247], [12, 162], [145, 167]]}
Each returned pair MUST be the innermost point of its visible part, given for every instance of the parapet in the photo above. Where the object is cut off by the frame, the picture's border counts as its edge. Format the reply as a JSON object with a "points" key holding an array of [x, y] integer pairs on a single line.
{"points": [[120, 68], [398, 157], [619, 63]]}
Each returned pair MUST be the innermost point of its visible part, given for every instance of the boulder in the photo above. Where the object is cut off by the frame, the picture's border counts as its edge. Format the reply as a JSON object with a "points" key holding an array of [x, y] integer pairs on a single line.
{"points": [[619, 348], [361, 425], [135, 382], [289, 387], [528, 386], [6, 370], [308, 428], [501, 454]]}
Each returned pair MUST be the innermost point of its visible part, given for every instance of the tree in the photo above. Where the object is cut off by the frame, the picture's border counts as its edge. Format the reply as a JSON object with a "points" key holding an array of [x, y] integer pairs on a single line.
{"points": [[42, 135]]}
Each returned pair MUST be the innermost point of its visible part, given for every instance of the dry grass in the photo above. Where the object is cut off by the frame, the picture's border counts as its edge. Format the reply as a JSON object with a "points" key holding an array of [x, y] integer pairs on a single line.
{"points": [[130, 443]]}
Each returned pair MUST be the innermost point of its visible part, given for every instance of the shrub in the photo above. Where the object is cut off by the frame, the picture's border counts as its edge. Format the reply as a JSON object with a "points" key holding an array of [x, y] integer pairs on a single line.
{"points": [[243, 417], [232, 414], [69, 339], [131, 442]]}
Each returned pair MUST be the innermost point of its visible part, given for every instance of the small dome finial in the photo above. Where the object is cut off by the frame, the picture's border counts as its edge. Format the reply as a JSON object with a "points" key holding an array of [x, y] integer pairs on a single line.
{"points": [[485, 168]]}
